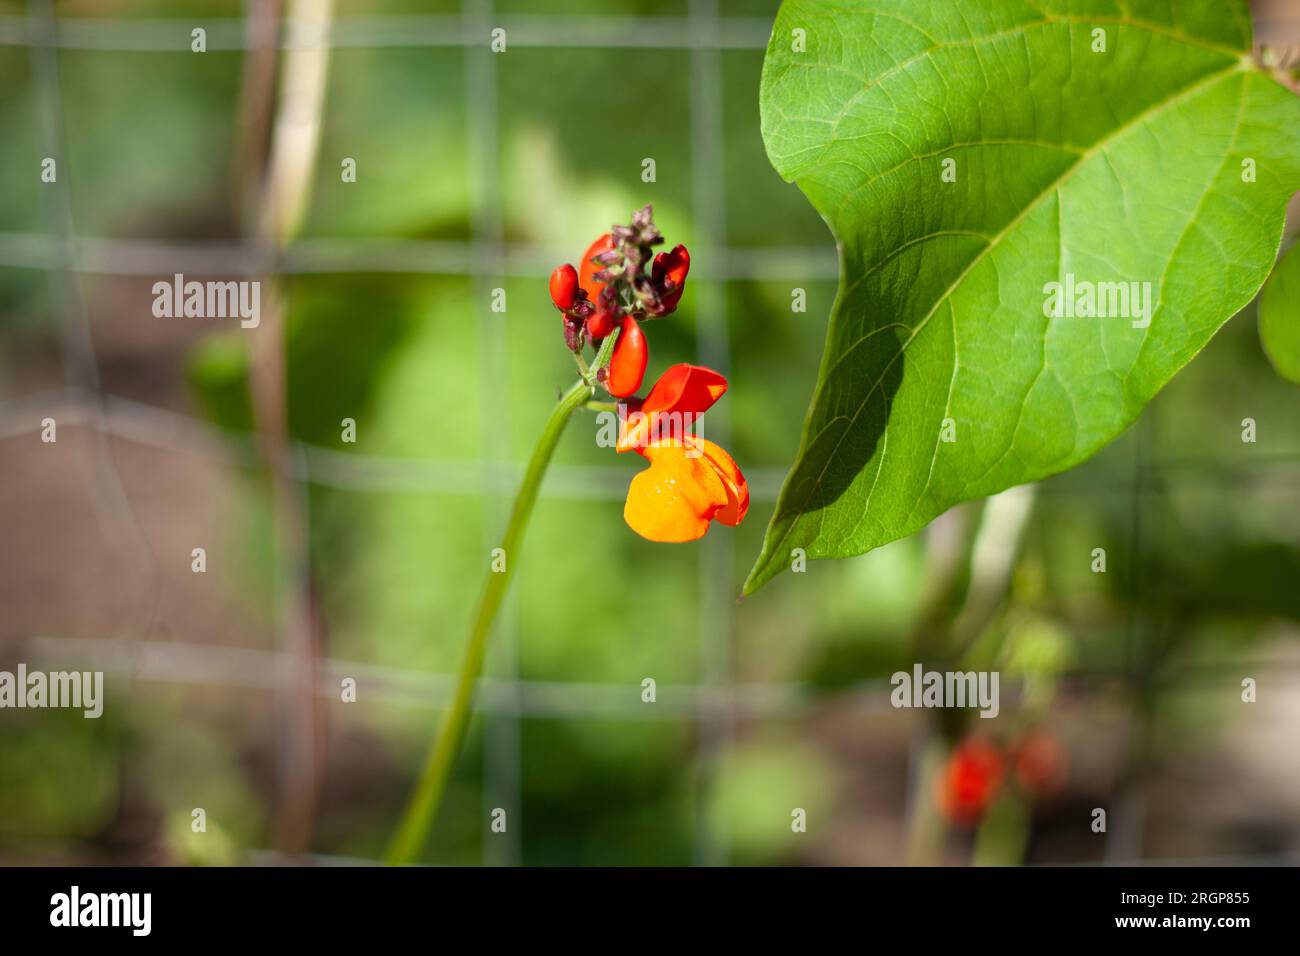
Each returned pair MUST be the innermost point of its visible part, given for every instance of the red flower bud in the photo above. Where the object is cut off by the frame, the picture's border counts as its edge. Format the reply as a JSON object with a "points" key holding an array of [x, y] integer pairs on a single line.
{"points": [[588, 268], [607, 315], [669, 274], [1041, 764], [601, 324], [627, 364], [564, 286], [969, 781], [673, 265]]}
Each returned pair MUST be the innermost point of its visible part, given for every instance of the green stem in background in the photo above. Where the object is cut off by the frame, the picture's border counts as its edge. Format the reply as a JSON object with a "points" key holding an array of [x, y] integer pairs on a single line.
{"points": [[981, 558], [412, 831], [1003, 837], [924, 830]]}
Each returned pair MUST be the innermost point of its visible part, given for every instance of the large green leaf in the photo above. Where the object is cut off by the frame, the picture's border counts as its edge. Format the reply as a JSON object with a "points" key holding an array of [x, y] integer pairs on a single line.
{"points": [[1279, 316], [1167, 158]]}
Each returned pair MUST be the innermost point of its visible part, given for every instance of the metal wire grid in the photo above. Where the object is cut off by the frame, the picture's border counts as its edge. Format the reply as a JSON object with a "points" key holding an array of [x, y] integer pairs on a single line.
{"points": [[398, 30], [504, 698]]}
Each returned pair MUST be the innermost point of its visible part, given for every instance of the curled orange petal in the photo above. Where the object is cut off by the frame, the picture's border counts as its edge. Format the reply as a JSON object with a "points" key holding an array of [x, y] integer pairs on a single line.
{"points": [[685, 487], [737, 506]]}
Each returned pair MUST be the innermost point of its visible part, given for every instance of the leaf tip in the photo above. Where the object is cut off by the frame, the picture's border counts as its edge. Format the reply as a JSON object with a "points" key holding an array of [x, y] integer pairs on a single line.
{"points": [[759, 575]]}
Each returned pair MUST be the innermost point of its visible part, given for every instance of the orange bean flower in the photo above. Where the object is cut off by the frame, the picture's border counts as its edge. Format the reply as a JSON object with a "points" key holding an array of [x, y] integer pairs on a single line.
{"points": [[691, 481]]}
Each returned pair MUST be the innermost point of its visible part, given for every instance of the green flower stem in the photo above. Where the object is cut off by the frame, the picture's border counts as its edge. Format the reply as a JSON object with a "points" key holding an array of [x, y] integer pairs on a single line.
{"points": [[409, 837], [583, 368]]}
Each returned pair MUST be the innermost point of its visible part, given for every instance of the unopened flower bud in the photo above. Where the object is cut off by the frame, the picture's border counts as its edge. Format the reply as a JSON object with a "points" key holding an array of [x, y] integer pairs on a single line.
{"points": [[587, 269], [564, 287], [669, 275], [627, 364], [573, 334], [601, 324]]}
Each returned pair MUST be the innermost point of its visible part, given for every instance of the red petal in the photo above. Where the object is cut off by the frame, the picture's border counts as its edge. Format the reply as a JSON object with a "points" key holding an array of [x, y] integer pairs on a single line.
{"points": [[686, 388]]}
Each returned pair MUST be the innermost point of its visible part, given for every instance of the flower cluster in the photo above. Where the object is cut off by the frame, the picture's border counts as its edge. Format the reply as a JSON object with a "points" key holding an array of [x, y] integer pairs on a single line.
{"points": [[620, 284], [976, 769]]}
